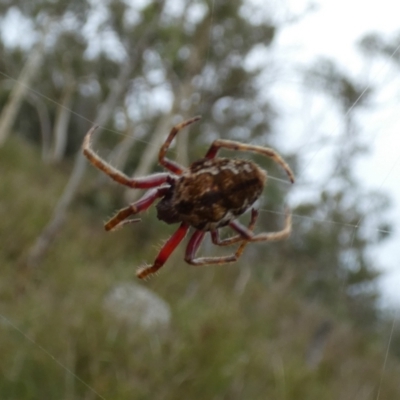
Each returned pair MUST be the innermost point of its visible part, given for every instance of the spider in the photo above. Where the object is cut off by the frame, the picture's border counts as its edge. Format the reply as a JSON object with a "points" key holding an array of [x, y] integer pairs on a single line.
{"points": [[211, 193]]}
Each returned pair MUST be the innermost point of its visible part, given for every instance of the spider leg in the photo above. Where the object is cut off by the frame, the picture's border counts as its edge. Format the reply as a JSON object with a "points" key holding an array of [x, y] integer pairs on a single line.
{"points": [[165, 162], [126, 222], [267, 236], [238, 238], [197, 238], [141, 205], [193, 246], [232, 145], [165, 252], [275, 236], [118, 176]]}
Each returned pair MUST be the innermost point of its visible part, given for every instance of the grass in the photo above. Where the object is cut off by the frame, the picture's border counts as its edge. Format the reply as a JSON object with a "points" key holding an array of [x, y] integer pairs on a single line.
{"points": [[58, 342]]}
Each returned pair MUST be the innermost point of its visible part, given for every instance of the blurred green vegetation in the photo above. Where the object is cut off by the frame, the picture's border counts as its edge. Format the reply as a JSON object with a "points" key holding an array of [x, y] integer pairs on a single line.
{"points": [[57, 341]]}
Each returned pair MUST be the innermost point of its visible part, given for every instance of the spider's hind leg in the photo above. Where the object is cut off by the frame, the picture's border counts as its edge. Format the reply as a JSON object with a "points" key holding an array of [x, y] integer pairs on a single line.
{"points": [[266, 236], [197, 238], [245, 233], [237, 146], [275, 236]]}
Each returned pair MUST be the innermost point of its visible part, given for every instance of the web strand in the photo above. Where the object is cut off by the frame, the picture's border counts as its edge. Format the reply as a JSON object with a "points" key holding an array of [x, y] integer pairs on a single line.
{"points": [[386, 356], [326, 221], [351, 108], [58, 362]]}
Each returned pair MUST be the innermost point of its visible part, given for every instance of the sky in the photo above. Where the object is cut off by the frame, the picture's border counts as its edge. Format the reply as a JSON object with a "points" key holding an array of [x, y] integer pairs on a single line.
{"points": [[333, 29]]}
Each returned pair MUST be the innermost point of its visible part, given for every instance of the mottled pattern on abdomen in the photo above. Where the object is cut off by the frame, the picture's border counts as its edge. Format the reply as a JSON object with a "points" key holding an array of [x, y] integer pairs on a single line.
{"points": [[214, 192]]}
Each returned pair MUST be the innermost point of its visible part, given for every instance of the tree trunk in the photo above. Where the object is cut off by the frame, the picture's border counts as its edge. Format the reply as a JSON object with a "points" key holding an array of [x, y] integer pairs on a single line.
{"points": [[150, 153], [61, 124], [45, 238], [182, 140], [20, 90], [45, 124], [120, 153]]}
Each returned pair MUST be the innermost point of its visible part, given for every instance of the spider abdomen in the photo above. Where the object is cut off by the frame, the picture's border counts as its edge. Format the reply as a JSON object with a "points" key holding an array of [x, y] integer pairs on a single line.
{"points": [[212, 192]]}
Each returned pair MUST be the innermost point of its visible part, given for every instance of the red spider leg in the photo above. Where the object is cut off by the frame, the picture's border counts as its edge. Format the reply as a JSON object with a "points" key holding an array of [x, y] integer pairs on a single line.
{"points": [[165, 252], [231, 145], [167, 163], [238, 238], [126, 222], [141, 205], [118, 176]]}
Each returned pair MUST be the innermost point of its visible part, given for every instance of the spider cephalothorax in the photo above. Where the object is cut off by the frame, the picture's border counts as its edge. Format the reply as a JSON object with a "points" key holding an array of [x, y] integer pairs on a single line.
{"points": [[208, 195]]}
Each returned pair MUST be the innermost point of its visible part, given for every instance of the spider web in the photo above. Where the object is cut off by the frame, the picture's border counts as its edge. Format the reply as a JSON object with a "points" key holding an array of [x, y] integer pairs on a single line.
{"points": [[301, 175]]}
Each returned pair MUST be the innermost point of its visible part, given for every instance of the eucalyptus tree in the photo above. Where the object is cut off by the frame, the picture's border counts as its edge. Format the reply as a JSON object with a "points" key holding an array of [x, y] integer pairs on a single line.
{"points": [[342, 219], [43, 24]]}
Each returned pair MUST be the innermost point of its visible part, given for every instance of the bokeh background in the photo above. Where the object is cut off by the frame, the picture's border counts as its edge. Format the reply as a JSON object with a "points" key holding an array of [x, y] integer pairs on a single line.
{"points": [[307, 318]]}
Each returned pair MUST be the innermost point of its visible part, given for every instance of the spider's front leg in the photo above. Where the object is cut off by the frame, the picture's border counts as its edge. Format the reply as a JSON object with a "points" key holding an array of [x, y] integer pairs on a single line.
{"points": [[141, 205], [166, 162], [118, 176]]}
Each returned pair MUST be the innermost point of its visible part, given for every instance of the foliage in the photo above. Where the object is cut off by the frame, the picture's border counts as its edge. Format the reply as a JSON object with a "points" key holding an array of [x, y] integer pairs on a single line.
{"points": [[225, 342]]}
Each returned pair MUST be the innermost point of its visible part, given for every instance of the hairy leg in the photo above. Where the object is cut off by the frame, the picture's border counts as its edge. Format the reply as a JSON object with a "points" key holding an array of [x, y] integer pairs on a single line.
{"points": [[141, 205], [267, 236], [164, 253], [237, 238], [232, 145], [167, 163], [118, 176], [197, 238]]}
